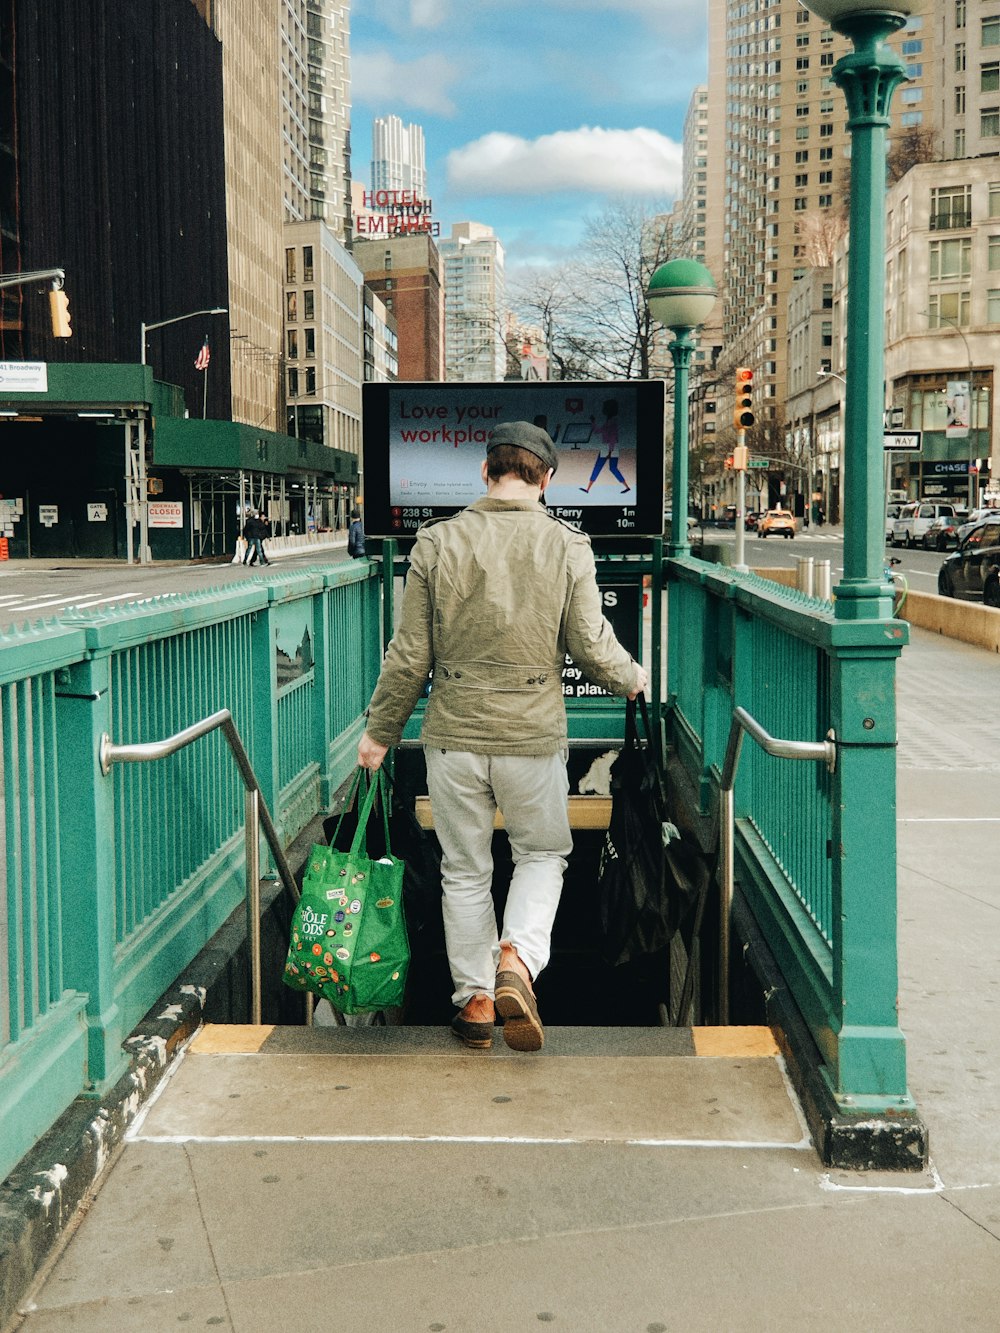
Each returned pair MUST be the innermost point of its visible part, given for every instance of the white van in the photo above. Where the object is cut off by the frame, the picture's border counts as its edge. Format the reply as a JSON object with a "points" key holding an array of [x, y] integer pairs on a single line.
{"points": [[915, 518]]}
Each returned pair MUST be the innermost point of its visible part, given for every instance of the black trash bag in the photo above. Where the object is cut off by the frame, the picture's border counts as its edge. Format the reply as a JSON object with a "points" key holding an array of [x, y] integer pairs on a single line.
{"points": [[643, 899], [415, 846]]}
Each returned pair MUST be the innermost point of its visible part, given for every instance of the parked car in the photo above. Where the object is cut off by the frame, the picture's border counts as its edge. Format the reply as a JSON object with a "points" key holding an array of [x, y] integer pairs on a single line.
{"points": [[942, 534], [976, 516], [753, 520], [778, 521], [914, 520], [891, 514], [973, 571]]}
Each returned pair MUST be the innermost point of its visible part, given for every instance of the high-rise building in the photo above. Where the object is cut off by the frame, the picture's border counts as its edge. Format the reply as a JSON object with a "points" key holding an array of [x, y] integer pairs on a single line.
{"points": [[398, 156], [474, 303], [316, 112], [781, 125]]}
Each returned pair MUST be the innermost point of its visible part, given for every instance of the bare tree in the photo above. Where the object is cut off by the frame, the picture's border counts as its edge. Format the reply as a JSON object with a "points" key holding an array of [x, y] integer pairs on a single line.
{"points": [[915, 144], [819, 231], [594, 311]]}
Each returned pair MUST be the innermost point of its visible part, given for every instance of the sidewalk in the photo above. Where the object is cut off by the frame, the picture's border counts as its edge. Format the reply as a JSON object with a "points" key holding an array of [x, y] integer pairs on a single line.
{"points": [[557, 1221]]}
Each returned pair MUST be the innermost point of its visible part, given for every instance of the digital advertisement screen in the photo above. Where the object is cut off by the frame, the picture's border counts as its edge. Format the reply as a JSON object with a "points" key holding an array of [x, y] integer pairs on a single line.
{"points": [[424, 445]]}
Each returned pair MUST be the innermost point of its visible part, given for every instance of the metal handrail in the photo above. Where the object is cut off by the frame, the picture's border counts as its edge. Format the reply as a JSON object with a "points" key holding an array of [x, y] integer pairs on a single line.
{"points": [[818, 751], [257, 815]]}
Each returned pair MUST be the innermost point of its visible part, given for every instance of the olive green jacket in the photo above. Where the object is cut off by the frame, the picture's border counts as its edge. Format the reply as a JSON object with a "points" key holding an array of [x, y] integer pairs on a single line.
{"points": [[495, 598]]}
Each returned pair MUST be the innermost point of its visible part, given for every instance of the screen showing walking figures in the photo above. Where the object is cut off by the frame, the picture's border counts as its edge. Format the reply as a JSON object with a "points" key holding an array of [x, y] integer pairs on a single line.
{"points": [[424, 445]]}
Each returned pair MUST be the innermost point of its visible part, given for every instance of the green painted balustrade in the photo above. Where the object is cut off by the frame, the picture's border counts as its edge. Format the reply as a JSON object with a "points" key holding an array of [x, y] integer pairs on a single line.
{"points": [[110, 885], [815, 851]]}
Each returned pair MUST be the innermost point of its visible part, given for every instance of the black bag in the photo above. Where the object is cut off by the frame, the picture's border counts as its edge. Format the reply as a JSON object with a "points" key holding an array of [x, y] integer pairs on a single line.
{"points": [[641, 901]]}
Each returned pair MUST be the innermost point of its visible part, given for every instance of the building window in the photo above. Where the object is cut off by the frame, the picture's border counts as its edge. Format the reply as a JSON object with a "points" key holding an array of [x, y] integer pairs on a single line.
{"points": [[993, 306], [993, 253], [989, 77], [307, 263], [960, 143], [993, 205], [991, 30], [947, 307], [293, 384], [802, 180], [802, 131], [950, 259], [825, 201], [310, 342], [826, 131], [951, 206], [801, 156], [293, 344], [911, 118], [825, 58], [800, 205], [825, 178], [291, 306], [290, 265], [826, 154], [802, 110], [959, 57], [989, 122], [308, 304], [960, 13], [311, 379], [960, 100]]}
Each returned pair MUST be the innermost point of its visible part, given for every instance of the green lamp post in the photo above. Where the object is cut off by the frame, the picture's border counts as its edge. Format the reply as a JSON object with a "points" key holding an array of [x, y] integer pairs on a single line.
{"points": [[868, 77], [680, 296]]}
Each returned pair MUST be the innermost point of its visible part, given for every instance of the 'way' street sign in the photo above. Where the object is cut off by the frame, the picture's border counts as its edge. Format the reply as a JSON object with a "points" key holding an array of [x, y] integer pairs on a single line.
{"points": [[903, 441]]}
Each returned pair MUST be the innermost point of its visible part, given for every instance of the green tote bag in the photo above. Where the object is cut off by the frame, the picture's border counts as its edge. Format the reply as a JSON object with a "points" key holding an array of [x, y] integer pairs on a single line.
{"points": [[349, 942]]}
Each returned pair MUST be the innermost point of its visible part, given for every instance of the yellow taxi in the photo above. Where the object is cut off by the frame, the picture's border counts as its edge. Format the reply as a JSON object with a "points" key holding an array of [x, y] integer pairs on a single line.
{"points": [[778, 521]]}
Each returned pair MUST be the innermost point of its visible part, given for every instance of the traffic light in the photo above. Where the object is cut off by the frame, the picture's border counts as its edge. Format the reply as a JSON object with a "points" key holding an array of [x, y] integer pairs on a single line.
{"points": [[59, 310], [743, 417]]}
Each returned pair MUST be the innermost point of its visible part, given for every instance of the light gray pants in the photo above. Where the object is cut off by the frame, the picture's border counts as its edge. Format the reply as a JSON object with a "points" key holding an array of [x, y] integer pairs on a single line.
{"points": [[530, 792]]}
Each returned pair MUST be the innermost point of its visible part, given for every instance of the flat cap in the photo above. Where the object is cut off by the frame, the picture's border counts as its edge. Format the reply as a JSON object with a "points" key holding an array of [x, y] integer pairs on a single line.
{"points": [[525, 435]]}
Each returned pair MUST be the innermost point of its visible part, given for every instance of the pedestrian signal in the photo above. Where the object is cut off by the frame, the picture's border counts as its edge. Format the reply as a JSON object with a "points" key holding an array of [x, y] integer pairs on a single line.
{"points": [[729, 460], [743, 417], [59, 310]]}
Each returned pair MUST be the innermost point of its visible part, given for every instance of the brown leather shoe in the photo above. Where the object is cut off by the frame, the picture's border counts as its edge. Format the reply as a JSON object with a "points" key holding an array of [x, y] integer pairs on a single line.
{"points": [[515, 1002], [474, 1024]]}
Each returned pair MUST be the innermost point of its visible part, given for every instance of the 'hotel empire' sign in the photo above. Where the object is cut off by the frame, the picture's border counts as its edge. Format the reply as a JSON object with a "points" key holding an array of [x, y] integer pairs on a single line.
{"points": [[400, 213]]}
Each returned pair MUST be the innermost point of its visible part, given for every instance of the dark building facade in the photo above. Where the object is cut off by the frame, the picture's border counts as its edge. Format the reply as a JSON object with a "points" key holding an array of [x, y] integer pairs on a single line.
{"points": [[112, 167]]}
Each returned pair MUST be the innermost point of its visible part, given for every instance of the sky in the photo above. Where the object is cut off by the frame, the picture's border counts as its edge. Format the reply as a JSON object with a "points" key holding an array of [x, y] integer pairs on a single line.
{"points": [[536, 113]]}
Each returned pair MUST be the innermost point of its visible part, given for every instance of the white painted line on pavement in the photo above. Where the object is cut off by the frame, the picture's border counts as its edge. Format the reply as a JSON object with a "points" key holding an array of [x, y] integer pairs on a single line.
{"points": [[802, 1145]]}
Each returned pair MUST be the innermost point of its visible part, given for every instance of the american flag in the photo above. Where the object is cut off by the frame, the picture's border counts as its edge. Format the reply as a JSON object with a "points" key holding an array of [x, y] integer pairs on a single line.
{"points": [[203, 357]]}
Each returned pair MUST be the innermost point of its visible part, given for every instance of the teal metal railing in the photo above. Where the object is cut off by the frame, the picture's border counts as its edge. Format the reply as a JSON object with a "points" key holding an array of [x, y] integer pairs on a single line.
{"points": [[815, 850], [110, 885]]}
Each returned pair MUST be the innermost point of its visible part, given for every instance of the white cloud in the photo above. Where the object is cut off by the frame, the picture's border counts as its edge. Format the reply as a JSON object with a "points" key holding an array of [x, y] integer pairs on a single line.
{"points": [[681, 20], [428, 13], [588, 160], [379, 80]]}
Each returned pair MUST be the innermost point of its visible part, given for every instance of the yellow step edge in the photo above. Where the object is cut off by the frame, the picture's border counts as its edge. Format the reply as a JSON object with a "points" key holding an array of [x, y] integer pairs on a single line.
{"points": [[585, 812], [735, 1042], [231, 1038]]}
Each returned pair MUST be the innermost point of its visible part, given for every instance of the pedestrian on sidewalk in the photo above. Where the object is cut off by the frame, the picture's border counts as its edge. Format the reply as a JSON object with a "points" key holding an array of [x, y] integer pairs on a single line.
{"points": [[496, 596], [356, 536], [255, 530]]}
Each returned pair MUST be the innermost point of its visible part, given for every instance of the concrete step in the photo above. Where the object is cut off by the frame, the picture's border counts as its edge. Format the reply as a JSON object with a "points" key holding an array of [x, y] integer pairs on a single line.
{"points": [[710, 1087]]}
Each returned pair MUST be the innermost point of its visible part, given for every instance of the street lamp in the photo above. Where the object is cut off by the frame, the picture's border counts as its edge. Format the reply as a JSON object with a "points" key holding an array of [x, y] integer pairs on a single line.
{"points": [[680, 296], [868, 76], [162, 323]]}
